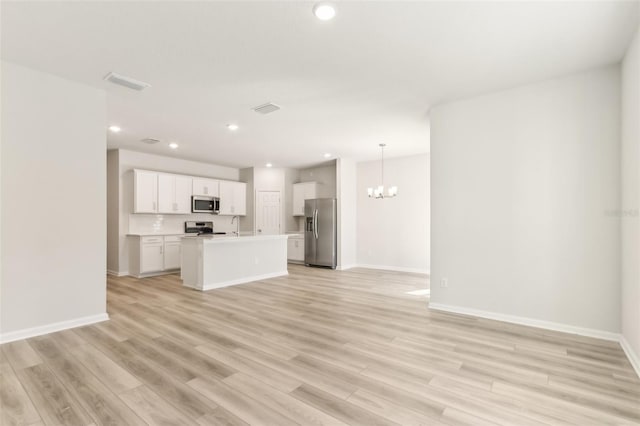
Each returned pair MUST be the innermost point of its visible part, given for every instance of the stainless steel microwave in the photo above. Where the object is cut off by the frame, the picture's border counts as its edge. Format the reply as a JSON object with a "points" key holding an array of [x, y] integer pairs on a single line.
{"points": [[205, 204]]}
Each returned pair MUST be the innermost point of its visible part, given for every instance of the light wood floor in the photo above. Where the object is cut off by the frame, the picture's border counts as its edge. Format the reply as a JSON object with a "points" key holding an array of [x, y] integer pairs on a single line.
{"points": [[316, 347]]}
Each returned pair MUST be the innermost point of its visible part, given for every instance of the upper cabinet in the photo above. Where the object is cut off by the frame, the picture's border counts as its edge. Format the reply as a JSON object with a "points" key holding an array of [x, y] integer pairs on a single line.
{"points": [[156, 192], [233, 198], [174, 194], [145, 191], [301, 192], [206, 187]]}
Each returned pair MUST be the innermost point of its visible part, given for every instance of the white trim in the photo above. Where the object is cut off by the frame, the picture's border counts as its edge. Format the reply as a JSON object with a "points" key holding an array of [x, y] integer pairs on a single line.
{"points": [[156, 273], [51, 328], [116, 273], [244, 280], [394, 268], [633, 357], [345, 267], [531, 322]]}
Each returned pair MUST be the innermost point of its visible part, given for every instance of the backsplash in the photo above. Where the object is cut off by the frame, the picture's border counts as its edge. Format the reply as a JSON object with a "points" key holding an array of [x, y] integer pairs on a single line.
{"points": [[171, 223]]}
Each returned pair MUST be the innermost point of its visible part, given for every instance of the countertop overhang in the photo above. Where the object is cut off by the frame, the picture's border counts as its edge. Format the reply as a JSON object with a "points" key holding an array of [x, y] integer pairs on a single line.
{"points": [[214, 239]]}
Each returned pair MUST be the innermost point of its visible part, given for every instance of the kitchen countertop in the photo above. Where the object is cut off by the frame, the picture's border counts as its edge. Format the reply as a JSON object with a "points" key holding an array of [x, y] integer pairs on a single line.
{"points": [[156, 234], [243, 237], [292, 234]]}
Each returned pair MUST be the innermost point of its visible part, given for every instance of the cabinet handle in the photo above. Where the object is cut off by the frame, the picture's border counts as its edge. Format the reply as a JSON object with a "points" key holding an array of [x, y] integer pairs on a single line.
{"points": [[161, 249], [154, 206], [175, 206], [206, 190]]}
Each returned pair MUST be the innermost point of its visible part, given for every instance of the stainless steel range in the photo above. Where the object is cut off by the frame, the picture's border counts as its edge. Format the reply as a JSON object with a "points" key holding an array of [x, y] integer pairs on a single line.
{"points": [[198, 228]]}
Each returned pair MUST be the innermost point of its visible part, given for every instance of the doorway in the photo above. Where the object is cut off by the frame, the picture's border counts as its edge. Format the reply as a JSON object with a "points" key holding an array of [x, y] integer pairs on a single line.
{"points": [[267, 212]]}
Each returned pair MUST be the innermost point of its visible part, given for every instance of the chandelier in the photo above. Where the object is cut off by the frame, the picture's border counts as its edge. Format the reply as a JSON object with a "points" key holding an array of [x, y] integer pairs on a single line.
{"points": [[379, 191]]}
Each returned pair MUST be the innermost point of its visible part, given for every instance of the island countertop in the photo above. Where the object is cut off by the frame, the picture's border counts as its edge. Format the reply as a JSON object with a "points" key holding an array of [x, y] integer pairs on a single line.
{"points": [[216, 239]]}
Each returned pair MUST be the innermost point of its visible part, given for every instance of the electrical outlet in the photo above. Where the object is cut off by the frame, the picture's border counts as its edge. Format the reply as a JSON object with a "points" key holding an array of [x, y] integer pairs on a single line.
{"points": [[444, 282]]}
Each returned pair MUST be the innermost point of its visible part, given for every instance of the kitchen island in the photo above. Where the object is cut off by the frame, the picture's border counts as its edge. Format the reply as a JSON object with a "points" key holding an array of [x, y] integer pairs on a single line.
{"points": [[210, 262]]}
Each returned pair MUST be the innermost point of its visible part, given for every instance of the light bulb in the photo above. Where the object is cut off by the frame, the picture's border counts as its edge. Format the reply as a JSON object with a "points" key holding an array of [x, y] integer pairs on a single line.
{"points": [[324, 11]]}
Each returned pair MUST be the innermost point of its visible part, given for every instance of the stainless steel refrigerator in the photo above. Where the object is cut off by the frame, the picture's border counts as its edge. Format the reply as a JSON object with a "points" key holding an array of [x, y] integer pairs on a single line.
{"points": [[320, 232]]}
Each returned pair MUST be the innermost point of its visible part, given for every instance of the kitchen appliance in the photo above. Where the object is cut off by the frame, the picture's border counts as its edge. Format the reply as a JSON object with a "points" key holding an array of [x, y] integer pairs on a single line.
{"points": [[205, 204], [200, 228], [320, 232]]}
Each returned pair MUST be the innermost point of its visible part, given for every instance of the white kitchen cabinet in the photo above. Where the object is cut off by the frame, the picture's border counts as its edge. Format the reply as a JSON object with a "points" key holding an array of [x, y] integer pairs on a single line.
{"points": [[295, 249], [151, 255], [174, 194], [233, 198], [301, 192], [171, 255], [206, 187], [145, 191], [154, 255]]}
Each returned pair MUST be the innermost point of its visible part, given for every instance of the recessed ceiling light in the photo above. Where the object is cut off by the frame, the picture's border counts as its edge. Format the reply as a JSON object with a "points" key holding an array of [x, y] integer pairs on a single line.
{"points": [[232, 127], [173, 145], [327, 155], [269, 165], [114, 129], [324, 11]]}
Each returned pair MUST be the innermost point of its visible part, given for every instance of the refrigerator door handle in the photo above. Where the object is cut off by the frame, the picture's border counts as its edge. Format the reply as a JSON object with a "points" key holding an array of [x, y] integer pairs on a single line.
{"points": [[315, 223]]}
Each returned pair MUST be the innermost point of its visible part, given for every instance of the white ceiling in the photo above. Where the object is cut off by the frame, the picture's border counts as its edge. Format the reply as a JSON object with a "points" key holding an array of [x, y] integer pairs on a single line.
{"points": [[368, 76]]}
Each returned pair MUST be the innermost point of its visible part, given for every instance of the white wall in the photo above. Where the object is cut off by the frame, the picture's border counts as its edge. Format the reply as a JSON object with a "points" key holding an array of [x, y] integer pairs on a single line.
{"points": [[53, 253], [393, 233], [325, 175], [347, 212], [129, 222], [631, 198], [523, 185], [113, 209], [291, 176], [246, 222]]}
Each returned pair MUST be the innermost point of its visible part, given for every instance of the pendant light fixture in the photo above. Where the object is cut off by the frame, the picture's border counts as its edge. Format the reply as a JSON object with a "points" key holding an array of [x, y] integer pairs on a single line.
{"points": [[379, 191]]}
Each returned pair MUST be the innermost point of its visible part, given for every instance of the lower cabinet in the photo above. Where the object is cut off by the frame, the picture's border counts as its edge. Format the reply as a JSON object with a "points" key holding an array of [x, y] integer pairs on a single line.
{"points": [[151, 257], [154, 255], [171, 254], [295, 249]]}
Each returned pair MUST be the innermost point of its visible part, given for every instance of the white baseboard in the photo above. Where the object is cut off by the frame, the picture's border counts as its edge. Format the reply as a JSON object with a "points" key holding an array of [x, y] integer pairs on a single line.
{"points": [[531, 322], [345, 267], [633, 357], [244, 280], [51, 328], [155, 274], [116, 273], [393, 268]]}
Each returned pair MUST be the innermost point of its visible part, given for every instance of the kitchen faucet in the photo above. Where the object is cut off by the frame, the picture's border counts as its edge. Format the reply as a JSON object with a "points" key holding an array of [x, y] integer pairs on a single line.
{"points": [[237, 231]]}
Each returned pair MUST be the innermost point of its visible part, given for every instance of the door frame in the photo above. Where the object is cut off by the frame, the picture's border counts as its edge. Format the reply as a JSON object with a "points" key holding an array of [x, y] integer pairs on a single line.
{"points": [[255, 208]]}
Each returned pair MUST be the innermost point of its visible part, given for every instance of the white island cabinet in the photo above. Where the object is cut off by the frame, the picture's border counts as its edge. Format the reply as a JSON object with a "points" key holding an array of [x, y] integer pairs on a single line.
{"points": [[214, 262]]}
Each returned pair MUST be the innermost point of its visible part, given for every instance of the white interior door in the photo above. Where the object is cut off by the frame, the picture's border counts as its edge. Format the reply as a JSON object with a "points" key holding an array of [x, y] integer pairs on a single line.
{"points": [[268, 212]]}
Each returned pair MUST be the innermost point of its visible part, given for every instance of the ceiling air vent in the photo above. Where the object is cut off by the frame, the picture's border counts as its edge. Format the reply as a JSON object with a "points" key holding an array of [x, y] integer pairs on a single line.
{"points": [[266, 108], [150, 141], [126, 81]]}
